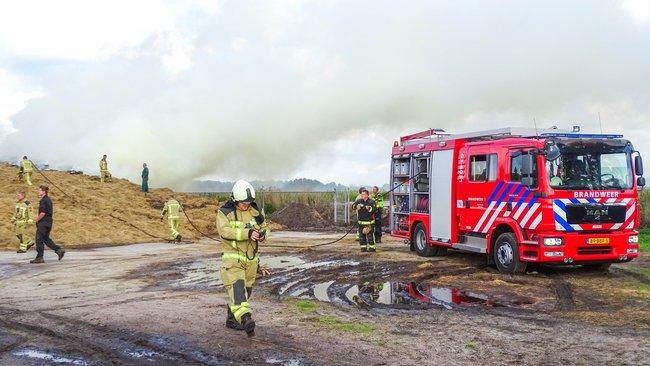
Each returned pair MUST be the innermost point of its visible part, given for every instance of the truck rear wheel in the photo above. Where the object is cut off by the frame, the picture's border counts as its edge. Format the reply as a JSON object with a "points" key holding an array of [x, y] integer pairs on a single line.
{"points": [[419, 242], [506, 255]]}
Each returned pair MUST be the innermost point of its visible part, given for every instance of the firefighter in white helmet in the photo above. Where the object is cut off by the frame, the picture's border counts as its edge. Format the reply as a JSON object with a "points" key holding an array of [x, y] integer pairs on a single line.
{"points": [[242, 227]]}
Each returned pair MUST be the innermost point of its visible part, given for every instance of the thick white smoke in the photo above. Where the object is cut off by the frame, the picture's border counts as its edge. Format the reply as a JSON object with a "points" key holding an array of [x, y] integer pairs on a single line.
{"points": [[262, 89]]}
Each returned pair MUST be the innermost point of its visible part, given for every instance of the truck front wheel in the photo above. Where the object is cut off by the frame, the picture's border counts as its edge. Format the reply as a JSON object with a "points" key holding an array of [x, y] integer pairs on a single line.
{"points": [[506, 255], [419, 242]]}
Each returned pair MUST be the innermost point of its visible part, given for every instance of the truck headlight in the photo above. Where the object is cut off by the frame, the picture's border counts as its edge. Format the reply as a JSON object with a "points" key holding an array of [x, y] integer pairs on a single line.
{"points": [[553, 242], [633, 239]]}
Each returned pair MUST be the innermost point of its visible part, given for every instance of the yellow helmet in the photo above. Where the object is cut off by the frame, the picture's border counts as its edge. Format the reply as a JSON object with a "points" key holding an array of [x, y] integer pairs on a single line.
{"points": [[243, 191]]}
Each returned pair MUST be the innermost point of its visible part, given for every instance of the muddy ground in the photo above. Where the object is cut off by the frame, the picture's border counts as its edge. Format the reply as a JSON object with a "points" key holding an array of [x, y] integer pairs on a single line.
{"points": [[163, 304]]}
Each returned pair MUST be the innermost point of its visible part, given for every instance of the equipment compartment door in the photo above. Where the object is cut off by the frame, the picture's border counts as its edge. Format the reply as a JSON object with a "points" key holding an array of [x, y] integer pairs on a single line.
{"points": [[440, 195]]}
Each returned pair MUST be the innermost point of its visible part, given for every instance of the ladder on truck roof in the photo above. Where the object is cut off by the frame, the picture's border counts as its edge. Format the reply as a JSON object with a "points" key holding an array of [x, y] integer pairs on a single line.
{"points": [[440, 134]]}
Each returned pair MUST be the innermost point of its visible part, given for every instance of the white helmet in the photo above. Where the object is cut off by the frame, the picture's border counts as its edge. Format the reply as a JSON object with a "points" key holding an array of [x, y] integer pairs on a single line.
{"points": [[243, 191]]}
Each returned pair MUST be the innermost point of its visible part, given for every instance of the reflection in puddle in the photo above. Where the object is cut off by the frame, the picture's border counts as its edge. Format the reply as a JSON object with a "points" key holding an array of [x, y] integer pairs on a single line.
{"points": [[320, 291], [282, 261], [405, 295], [334, 281]]}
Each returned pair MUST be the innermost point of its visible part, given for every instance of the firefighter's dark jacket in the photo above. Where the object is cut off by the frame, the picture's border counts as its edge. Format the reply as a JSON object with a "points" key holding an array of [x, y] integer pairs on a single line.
{"points": [[363, 213]]}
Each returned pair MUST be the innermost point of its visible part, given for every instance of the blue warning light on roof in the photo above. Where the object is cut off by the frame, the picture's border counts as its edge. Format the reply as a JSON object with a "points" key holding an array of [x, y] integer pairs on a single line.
{"points": [[581, 135]]}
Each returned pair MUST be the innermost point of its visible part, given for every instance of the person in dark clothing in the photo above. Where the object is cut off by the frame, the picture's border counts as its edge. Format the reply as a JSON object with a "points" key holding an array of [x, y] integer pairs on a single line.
{"points": [[44, 223], [145, 178], [366, 210], [356, 199]]}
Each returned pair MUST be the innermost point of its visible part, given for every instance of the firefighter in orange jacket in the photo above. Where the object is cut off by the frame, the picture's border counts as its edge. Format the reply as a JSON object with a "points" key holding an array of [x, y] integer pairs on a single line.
{"points": [[242, 227]]}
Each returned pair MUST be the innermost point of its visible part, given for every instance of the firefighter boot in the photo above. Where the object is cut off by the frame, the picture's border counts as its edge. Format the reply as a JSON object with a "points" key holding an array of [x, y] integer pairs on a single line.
{"points": [[37, 260], [231, 322], [248, 324], [22, 247], [60, 253]]}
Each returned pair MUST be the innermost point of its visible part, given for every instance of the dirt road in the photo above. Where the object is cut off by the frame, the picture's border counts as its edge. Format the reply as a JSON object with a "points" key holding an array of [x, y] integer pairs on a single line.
{"points": [[163, 304]]}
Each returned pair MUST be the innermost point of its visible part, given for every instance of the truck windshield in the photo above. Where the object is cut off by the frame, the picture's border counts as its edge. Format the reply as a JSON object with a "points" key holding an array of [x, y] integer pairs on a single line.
{"points": [[590, 166]]}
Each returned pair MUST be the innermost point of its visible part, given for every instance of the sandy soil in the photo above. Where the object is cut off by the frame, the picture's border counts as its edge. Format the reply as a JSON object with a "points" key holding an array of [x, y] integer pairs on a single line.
{"points": [[163, 304]]}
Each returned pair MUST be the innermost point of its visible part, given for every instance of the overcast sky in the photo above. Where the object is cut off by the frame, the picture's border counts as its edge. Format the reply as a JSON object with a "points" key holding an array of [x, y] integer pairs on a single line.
{"points": [[316, 89]]}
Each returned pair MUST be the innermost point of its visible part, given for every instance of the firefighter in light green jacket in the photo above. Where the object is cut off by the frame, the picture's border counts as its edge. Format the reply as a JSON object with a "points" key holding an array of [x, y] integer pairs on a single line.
{"points": [[26, 169], [172, 212], [21, 219], [103, 170], [242, 227], [378, 197]]}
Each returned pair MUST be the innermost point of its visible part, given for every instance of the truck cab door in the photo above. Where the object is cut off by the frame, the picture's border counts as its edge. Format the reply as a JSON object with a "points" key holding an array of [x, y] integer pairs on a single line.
{"points": [[479, 200], [522, 171]]}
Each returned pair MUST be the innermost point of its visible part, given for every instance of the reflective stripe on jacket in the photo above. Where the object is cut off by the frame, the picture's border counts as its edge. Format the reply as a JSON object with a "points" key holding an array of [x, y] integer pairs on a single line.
{"points": [[172, 209], [22, 213], [363, 223], [234, 225]]}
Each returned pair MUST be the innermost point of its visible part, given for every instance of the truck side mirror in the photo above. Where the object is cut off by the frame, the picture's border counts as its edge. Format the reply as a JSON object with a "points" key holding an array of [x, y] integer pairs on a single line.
{"points": [[552, 152], [526, 165], [640, 181], [638, 165]]}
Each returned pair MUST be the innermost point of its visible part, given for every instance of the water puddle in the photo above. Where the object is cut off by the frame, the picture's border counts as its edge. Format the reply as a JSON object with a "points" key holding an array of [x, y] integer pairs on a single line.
{"points": [[49, 357], [400, 295], [344, 282], [203, 274], [179, 344]]}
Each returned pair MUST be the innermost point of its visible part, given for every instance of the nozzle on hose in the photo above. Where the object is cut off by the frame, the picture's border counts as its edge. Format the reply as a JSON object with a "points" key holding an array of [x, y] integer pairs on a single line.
{"points": [[262, 234]]}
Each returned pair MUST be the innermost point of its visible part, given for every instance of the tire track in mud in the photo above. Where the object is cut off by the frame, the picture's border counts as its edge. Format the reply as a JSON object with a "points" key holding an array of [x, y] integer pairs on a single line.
{"points": [[78, 333], [106, 345], [564, 294], [640, 277], [32, 332], [7, 346], [121, 302]]}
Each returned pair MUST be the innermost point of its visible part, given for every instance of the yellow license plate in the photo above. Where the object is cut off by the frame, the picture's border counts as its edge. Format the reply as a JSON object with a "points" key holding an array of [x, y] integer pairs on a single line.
{"points": [[598, 241]]}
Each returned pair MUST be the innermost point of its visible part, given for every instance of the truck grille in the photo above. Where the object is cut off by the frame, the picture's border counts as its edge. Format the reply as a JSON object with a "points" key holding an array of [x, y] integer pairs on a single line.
{"points": [[595, 214], [594, 250]]}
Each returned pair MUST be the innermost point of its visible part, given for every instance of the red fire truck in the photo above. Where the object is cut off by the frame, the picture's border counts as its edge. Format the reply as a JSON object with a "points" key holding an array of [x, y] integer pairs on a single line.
{"points": [[518, 195]]}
